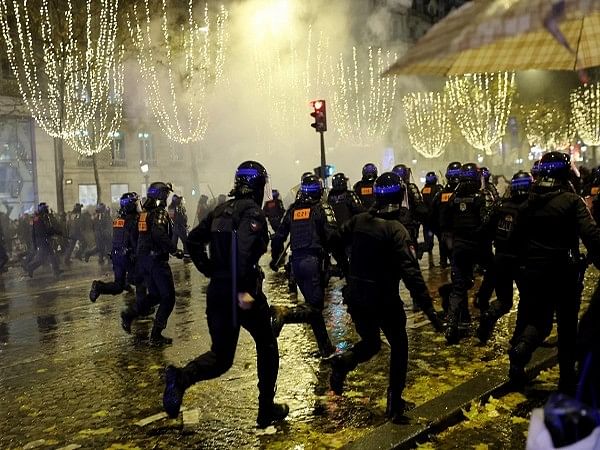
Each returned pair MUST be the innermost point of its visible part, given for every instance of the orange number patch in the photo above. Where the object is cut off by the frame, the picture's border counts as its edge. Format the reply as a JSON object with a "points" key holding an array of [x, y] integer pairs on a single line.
{"points": [[595, 190], [118, 223], [446, 196], [366, 191], [302, 214], [426, 190], [142, 225]]}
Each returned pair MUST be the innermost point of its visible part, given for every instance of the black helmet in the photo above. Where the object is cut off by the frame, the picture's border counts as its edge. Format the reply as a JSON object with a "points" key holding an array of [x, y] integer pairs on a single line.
{"points": [[453, 173], [101, 208], [339, 182], [42, 208], [555, 165], [402, 171], [485, 173], [535, 169], [469, 173], [520, 184], [431, 178], [250, 180], [77, 208], [176, 199], [305, 174], [369, 172], [388, 189], [311, 188], [159, 191], [128, 202], [275, 194]]}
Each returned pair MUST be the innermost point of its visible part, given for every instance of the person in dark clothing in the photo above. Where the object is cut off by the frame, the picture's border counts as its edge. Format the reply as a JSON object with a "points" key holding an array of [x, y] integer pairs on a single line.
{"points": [[274, 210], [504, 225], [3, 254], [486, 176], [344, 203], [468, 213], [553, 221], [382, 255], [155, 244], [428, 193], [44, 228], [178, 215], [414, 211], [202, 209], [75, 232], [588, 352], [364, 187], [102, 226], [236, 234], [124, 245], [312, 228]]}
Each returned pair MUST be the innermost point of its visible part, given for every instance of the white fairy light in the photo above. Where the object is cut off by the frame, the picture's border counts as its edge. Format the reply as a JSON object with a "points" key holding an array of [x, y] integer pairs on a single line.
{"points": [[585, 107], [429, 127]]}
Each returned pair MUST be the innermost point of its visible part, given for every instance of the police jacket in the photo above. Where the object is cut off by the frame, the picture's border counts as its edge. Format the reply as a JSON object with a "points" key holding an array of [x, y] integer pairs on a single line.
{"points": [[155, 230], [491, 190], [75, 226], [382, 255], [440, 219], [429, 192], [554, 220], [364, 190], [102, 226], [416, 211], [311, 226], [274, 208], [250, 241], [125, 234], [468, 212], [178, 215], [344, 204], [44, 226], [506, 228]]}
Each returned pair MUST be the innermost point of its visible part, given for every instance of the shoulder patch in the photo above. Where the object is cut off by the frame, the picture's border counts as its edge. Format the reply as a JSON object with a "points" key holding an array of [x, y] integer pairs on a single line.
{"points": [[118, 223], [367, 190], [427, 190], [446, 196], [301, 214], [142, 224]]}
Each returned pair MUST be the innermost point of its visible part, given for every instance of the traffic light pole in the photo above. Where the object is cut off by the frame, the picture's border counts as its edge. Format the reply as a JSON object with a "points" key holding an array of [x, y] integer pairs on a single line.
{"points": [[323, 160]]}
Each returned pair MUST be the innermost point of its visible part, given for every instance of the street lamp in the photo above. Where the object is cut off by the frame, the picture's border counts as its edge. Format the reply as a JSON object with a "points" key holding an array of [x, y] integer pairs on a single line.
{"points": [[144, 168]]}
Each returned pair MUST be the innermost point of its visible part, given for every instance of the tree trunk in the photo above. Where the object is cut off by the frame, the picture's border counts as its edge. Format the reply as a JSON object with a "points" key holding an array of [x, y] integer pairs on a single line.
{"points": [[97, 179], [59, 163]]}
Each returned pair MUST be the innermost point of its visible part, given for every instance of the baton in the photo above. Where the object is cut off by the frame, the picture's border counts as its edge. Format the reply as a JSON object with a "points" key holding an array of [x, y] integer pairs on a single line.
{"points": [[282, 254]]}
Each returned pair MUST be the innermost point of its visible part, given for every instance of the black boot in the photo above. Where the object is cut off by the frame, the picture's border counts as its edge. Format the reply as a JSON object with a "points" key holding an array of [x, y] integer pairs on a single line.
{"points": [[174, 390], [127, 317], [94, 291], [397, 407], [278, 315], [518, 355], [486, 327], [452, 333], [339, 371], [157, 339], [273, 412]]}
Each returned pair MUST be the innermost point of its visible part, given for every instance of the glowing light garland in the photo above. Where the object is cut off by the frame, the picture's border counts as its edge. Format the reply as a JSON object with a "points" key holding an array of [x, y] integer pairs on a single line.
{"points": [[181, 114], [429, 127], [481, 104], [363, 100], [63, 81], [547, 125], [585, 107]]}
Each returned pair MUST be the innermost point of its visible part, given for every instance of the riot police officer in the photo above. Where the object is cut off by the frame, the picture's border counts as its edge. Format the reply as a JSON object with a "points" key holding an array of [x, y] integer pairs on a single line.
{"points": [[102, 225], [274, 210], [75, 233], [364, 187], [312, 228], [468, 213], [504, 225], [3, 254], [155, 243], [415, 210], [382, 255], [344, 203], [428, 193], [44, 228], [237, 236], [488, 186], [438, 215], [553, 222], [178, 215], [124, 245]]}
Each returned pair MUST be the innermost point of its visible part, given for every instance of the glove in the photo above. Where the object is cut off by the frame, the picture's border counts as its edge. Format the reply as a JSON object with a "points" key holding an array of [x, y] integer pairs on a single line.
{"points": [[245, 300], [178, 254], [435, 320], [273, 265]]}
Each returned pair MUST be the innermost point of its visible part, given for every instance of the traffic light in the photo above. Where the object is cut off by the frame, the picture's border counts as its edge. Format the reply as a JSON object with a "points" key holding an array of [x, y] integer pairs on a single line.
{"points": [[320, 115]]}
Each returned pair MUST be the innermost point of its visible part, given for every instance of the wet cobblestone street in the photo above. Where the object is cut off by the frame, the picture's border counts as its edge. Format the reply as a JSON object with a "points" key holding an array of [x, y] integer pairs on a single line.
{"points": [[72, 378]]}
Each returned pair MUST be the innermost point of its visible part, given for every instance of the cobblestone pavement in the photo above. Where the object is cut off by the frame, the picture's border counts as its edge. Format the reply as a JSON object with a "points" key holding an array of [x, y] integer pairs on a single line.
{"points": [[72, 378]]}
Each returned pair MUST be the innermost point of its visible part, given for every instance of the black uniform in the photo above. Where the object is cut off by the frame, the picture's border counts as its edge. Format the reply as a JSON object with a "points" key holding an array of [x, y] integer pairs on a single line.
{"points": [[588, 349], [345, 205], [428, 194], [3, 254], [239, 224], [44, 228], [178, 215], [383, 254], [274, 212], [75, 230], [312, 229], [440, 223], [467, 213], [124, 245], [553, 221], [102, 225], [364, 190], [414, 213]]}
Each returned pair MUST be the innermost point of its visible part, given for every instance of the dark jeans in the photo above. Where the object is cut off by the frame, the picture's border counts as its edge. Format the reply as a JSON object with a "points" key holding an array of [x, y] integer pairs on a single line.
{"points": [[158, 279], [224, 335], [465, 254]]}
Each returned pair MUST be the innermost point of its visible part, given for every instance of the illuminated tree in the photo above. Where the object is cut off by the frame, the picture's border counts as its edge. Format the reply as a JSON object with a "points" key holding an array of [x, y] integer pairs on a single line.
{"points": [[547, 124], [585, 107]]}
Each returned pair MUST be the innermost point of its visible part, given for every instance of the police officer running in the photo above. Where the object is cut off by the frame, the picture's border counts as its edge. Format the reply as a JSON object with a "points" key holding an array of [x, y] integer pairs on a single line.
{"points": [[44, 228], [382, 255], [236, 234], [554, 220], [124, 245], [428, 193], [154, 246], [178, 215], [364, 187]]}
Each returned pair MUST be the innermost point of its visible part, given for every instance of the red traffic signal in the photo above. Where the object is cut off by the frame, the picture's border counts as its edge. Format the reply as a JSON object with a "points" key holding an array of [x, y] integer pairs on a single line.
{"points": [[320, 115]]}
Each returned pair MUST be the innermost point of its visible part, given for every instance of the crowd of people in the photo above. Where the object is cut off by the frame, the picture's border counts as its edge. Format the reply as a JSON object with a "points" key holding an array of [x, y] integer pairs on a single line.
{"points": [[529, 237]]}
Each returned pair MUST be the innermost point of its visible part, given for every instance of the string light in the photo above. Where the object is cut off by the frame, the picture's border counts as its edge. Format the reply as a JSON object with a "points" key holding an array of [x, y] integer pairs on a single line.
{"points": [[547, 125], [181, 112], [64, 90], [585, 107], [429, 128], [481, 104], [363, 100]]}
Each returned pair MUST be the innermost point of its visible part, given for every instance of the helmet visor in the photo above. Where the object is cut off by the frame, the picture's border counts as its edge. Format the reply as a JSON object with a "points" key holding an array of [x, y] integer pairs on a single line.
{"points": [[268, 190]]}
